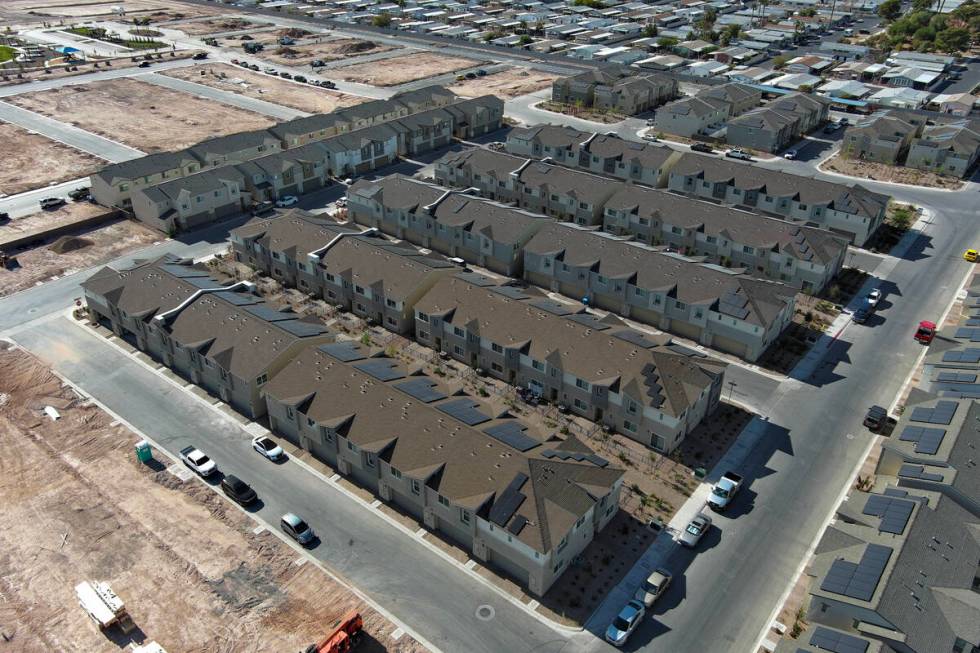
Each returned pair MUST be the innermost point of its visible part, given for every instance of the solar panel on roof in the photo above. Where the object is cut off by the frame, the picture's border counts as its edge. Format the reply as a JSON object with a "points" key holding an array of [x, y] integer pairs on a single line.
{"points": [[734, 305], [968, 355], [895, 492], [589, 320], [927, 440], [517, 525], [941, 413], [636, 338], [685, 351], [966, 333], [236, 298], [553, 307], [302, 329], [509, 291], [858, 581], [957, 377], [832, 640], [894, 512], [509, 500], [186, 272], [383, 369], [422, 388], [919, 472], [343, 351], [269, 314], [465, 411], [476, 279], [512, 434], [973, 321]]}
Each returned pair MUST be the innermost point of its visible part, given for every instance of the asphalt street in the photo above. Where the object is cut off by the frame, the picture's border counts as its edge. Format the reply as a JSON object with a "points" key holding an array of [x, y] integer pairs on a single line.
{"points": [[277, 111]]}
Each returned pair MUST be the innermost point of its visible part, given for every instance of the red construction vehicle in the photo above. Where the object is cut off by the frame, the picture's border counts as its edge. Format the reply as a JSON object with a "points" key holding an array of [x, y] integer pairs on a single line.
{"points": [[926, 332], [344, 638]]}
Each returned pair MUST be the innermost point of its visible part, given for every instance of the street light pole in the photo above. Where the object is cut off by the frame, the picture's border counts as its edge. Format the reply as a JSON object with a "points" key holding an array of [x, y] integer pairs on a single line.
{"points": [[731, 389]]}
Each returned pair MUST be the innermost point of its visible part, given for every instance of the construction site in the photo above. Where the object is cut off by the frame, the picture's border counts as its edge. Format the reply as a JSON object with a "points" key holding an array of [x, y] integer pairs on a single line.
{"points": [[109, 551]]}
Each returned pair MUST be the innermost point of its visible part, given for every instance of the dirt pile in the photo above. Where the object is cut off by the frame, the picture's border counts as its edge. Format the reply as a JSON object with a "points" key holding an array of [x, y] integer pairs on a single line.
{"points": [[294, 33], [356, 47], [67, 244]]}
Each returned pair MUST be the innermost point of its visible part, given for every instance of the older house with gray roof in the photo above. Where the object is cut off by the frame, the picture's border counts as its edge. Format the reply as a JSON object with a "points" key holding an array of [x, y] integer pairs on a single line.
{"points": [[950, 149], [881, 137], [520, 500], [804, 257], [852, 211], [477, 230], [711, 305], [223, 338], [360, 270], [640, 385]]}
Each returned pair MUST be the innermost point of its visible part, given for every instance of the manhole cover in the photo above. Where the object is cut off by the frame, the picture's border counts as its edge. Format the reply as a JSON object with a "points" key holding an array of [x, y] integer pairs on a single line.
{"points": [[485, 612]]}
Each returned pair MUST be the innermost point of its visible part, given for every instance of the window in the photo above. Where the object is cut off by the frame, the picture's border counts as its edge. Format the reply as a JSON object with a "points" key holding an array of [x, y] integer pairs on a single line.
{"points": [[443, 500], [748, 250], [394, 472], [459, 332], [464, 516], [580, 383], [459, 351], [416, 487], [581, 520], [680, 305], [422, 317], [262, 379], [581, 405], [629, 426], [496, 367], [497, 348], [370, 460], [538, 365], [562, 544], [327, 435], [359, 290], [310, 422], [391, 303]]}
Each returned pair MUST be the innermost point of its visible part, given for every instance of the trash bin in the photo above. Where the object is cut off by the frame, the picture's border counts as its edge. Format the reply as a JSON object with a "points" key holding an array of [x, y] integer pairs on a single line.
{"points": [[700, 472], [143, 452]]}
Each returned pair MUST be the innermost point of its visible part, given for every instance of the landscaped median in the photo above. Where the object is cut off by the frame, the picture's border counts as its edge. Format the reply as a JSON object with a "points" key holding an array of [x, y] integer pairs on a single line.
{"points": [[104, 35]]}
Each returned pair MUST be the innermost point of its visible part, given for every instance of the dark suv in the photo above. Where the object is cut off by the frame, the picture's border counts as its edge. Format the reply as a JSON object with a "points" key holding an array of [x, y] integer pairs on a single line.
{"points": [[876, 418], [237, 490]]}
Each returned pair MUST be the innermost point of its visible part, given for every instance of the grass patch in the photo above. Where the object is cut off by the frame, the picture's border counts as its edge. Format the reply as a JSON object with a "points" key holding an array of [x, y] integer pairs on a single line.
{"points": [[7, 53], [101, 34]]}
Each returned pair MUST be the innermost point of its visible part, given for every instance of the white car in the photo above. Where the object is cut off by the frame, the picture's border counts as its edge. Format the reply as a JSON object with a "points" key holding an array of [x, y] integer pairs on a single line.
{"points": [[874, 297], [790, 154], [653, 587], [650, 137], [267, 447], [196, 460], [286, 200], [694, 531], [625, 623], [738, 154]]}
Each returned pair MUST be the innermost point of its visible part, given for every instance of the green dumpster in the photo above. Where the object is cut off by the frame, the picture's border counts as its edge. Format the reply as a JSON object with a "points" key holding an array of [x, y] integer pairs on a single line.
{"points": [[143, 452], [700, 472]]}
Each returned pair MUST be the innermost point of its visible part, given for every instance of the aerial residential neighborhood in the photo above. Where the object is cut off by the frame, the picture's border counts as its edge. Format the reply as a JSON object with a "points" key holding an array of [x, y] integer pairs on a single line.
{"points": [[509, 326]]}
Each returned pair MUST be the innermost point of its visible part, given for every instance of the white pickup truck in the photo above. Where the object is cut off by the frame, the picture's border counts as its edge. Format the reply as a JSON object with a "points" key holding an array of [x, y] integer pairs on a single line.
{"points": [[724, 490], [197, 461]]}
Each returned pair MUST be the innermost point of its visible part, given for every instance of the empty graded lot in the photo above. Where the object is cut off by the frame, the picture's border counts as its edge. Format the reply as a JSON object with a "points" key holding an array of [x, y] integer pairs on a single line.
{"points": [[192, 571], [218, 25], [265, 87], [157, 10], [307, 49], [142, 115], [506, 84], [403, 68], [32, 161]]}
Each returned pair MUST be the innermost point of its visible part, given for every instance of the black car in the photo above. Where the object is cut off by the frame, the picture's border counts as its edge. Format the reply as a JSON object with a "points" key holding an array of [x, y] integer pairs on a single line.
{"points": [[144, 64], [261, 208], [80, 194], [285, 75], [300, 78], [701, 147], [861, 315], [238, 490], [876, 418], [4, 217], [199, 56], [481, 73], [470, 75]]}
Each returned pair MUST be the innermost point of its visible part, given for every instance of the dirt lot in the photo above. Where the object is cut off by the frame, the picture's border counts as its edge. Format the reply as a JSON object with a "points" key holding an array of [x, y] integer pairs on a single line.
{"points": [[506, 84], [37, 10], [404, 68], [216, 25], [96, 246], [148, 117], [894, 174], [265, 87], [328, 50], [32, 161], [213, 587]]}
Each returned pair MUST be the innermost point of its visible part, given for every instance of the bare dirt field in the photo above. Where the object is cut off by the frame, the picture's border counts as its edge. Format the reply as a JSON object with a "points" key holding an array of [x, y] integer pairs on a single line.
{"points": [[894, 174], [36, 11], [506, 84], [145, 116], [57, 258], [328, 50], [404, 68], [265, 87], [216, 25], [192, 572], [32, 161]]}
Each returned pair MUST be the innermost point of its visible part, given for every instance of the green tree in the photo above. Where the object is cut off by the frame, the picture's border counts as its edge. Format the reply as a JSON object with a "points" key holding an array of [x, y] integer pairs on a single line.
{"points": [[809, 12], [650, 31], [953, 40], [382, 20], [729, 34], [890, 9], [922, 5], [780, 61], [667, 42]]}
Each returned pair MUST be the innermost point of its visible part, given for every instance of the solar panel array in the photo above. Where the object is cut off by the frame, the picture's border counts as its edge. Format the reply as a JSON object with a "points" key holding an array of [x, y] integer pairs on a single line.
{"points": [[685, 351], [509, 500], [894, 512], [517, 525], [269, 314], [957, 377], [968, 355], [942, 413], [422, 388], [734, 304], [858, 581], [651, 379], [383, 369], [838, 642], [553, 307], [230, 296], [509, 291], [589, 320], [476, 279], [512, 434], [465, 411], [302, 329], [973, 322], [926, 440], [635, 338], [968, 333], [575, 455], [186, 272], [343, 351], [919, 472]]}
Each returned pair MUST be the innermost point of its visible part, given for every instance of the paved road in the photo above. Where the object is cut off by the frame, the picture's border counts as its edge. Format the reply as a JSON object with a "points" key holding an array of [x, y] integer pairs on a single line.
{"points": [[421, 588], [96, 76], [68, 134], [27, 203], [276, 111]]}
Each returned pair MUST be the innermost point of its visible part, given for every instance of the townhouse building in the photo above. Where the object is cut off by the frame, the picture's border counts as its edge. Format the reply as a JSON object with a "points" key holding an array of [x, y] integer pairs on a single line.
{"points": [[223, 338], [950, 149], [299, 170], [236, 148], [453, 223], [881, 137], [514, 498], [358, 270], [192, 201], [114, 185], [639, 385], [803, 257], [778, 124], [692, 116], [617, 88], [711, 305], [852, 211]]}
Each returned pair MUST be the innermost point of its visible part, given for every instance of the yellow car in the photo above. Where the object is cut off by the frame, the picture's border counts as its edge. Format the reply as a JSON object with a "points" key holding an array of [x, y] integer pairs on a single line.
{"points": [[970, 255]]}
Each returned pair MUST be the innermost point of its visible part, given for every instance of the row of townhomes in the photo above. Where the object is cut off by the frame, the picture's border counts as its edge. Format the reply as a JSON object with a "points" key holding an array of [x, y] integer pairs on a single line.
{"points": [[615, 88], [950, 148], [223, 176], [645, 387], [848, 210], [712, 305], [524, 501], [898, 570], [708, 111], [805, 257]]}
